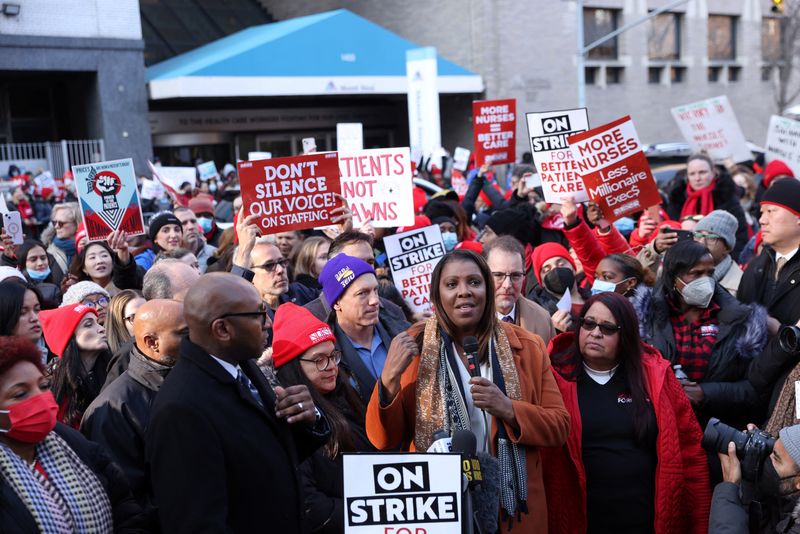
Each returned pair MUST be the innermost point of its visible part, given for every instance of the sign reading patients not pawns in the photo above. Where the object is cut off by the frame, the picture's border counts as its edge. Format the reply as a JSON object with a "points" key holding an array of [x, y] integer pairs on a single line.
{"points": [[412, 257], [378, 185], [783, 142], [291, 193], [548, 132], [402, 493], [494, 126], [109, 198], [614, 169], [710, 126]]}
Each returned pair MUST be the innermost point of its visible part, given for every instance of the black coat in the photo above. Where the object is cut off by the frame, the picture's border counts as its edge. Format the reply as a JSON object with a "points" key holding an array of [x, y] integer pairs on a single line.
{"points": [[219, 462], [16, 519]]}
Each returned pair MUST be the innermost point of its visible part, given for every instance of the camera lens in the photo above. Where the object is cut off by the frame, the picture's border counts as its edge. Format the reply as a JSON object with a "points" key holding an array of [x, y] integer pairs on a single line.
{"points": [[717, 436], [788, 339]]}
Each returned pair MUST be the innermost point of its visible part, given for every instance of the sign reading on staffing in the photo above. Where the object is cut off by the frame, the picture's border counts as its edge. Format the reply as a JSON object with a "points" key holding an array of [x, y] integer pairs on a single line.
{"points": [[614, 169], [711, 126], [402, 493], [494, 126], [549, 131], [412, 257], [291, 193]]}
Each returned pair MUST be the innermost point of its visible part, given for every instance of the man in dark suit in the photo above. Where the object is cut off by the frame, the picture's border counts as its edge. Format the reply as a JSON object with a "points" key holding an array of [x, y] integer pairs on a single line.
{"points": [[223, 447]]}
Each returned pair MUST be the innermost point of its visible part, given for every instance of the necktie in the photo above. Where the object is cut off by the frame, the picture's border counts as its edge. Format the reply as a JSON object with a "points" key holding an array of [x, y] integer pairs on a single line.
{"points": [[508, 319], [248, 386], [779, 265]]}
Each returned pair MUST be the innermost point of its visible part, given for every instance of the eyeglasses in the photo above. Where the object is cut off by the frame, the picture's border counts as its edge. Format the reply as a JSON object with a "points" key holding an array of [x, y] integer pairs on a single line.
{"points": [[270, 265], [325, 362], [102, 301], [516, 277], [607, 329], [59, 224], [700, 236], [261, 314]]}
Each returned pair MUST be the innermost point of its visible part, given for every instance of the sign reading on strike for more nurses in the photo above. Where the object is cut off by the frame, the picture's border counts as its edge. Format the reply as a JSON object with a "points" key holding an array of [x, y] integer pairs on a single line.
{"points": [[614, 169], [711, 126], [495, 130], [291, 193], [412, 257]]}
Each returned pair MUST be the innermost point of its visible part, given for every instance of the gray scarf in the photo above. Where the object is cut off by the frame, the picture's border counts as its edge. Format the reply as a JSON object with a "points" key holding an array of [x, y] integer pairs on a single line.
{"points": [[722, 269]]}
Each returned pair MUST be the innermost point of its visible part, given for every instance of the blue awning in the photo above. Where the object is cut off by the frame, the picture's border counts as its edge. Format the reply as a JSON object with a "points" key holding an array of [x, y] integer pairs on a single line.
{"points": [[337, 52]]}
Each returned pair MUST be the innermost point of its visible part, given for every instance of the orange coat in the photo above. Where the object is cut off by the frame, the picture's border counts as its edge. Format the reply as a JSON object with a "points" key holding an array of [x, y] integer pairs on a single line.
{"points": [[542, 418]]}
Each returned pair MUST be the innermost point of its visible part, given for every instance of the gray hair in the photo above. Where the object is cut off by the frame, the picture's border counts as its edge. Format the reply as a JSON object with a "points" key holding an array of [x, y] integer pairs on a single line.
{"points": [[157, 283]]}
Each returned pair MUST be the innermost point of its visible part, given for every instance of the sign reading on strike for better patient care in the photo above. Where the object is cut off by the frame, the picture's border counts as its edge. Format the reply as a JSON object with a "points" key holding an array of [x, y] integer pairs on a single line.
{"points": [[412, 257], [711, 126], [614, 169], [494, 126], [378, 186], [402, 493], [549, 131], [109, 198], [291, 193], [783, 142]]}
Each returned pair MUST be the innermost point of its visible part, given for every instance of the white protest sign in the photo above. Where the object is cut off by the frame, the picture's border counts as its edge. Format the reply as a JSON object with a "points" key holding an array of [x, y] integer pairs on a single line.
{"points": [[177, 176], [12, 224], [558, 170], [461, 158], [424, 126], [412, 257], [711, 126], [309, 145], [255, 156], [402, 493], [349, 136], [783, 142], [3, 206], [151, 189], [378, 185], [207, 170]]}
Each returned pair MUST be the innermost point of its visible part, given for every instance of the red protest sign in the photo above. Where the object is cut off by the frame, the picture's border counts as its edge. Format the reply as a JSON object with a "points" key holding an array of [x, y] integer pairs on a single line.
{"points": [[614, 169], [291, 193], [494, 126]]}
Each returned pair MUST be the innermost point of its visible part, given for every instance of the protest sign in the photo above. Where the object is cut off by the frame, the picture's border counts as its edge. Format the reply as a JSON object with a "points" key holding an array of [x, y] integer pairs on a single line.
{"points": [[548, 131], [378, 186], [349, 136], [614, 169], [711, 126], [207, 170], [424, 125], [309, 145], [175, 177], [783, 142], [461, 159], [402, 493], [412, 257], [459, 184], [291, 193], [151, 190], [253, 156], [109, 198], [494, 128]]}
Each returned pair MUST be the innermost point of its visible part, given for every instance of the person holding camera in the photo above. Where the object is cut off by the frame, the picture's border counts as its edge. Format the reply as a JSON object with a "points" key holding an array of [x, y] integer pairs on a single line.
{"points": [[777, 477]]}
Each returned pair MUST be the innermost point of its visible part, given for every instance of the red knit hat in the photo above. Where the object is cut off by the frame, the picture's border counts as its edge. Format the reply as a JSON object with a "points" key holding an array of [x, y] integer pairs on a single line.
{"points": [[80, 233], [200, 205], [295, 330], [420, 199], [774, 169], [545, 251], [59, 325], [474, 246]]}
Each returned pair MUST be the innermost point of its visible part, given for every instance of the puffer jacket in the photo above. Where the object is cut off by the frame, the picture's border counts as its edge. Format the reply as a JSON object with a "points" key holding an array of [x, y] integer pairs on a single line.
{"points": [[682, 493]]}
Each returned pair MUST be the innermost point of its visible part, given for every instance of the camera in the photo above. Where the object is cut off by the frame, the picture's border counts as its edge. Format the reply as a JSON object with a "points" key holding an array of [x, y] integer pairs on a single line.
{"points": [[789, 339], [752, 447]]}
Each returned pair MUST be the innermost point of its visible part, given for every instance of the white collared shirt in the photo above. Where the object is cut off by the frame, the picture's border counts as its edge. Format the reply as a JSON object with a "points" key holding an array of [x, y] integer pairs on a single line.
{"points": [[233, 370], [788, 256], [512, 313]]}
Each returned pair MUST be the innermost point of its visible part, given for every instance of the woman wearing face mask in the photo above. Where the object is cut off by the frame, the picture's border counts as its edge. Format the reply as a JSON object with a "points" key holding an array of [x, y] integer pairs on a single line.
{"points": [[37, 266], [52, 479], [698, 325], [621, 273], [449, 233], [107, 264], [304, 353], [555, 270], [78, 372]]}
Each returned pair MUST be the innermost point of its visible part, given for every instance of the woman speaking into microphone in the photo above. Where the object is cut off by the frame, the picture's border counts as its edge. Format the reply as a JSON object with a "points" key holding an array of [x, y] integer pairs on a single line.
{"points": [[513, 407]]}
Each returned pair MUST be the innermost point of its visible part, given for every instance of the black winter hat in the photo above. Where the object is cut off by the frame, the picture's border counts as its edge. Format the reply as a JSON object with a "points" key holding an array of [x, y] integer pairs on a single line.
{"points": [[518, 223], [784, 192], [161, 219]]}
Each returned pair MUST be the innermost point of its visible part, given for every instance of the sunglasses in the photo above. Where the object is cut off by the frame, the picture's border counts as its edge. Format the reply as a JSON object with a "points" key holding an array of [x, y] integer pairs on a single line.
{"points": [[607, 329], [59, 224], [271, 265]]}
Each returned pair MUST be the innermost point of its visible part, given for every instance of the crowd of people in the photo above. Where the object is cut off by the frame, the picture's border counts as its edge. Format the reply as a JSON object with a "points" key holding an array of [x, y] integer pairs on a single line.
{"points": [[208, 377]]}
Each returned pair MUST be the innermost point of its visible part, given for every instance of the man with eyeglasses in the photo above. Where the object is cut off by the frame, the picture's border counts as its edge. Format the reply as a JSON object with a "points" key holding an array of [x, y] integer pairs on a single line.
{"points": [[506, 258], [65, 219], [717, 231], [223, 446]]}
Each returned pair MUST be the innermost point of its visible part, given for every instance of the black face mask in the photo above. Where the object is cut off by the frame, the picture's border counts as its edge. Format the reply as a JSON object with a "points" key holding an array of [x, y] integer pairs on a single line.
{"points": [[559, 280], [771, 483]]}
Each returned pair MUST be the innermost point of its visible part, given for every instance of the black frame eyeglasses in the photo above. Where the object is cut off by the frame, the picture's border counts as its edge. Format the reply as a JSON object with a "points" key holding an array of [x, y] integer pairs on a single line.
{"points": [[607, 329], [271, 265], [262, 313], [335, 357], [516, 277]]}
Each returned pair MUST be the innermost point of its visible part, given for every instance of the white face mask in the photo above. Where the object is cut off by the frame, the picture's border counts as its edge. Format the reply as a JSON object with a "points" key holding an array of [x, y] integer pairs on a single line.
{"points": [[604, 286], [698, 292]]}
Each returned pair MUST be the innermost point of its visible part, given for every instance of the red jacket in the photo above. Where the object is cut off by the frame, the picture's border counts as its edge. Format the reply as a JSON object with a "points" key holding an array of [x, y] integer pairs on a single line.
{"points": [[683, 494], [591, 247]]}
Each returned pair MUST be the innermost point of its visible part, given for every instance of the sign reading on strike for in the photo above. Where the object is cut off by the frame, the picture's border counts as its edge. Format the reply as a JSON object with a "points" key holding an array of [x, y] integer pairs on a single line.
{"points": [[783, 142], [412, 257], [549, 131], [109, 198], [711, 126], [291, 193], [494, 126], [402, 493], [378, 186], [614, 169]]}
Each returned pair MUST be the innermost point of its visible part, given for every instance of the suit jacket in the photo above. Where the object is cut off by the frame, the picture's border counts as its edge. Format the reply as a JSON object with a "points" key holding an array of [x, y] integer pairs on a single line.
{"points": [[219, 461], [535, 319]]}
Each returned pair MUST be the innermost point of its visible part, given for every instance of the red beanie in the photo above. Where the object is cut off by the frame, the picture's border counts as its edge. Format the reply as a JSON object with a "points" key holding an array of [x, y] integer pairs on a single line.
{"points": [[545, 251], [59, 325], [420, 221], [295, 330], [200, 205], [80, 233], [774, 169], [420, 199], [474, 246]]}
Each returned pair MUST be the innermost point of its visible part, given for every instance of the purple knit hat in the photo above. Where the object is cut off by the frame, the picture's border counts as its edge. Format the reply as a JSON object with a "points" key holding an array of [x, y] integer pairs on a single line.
{"points": [[340, 272]]}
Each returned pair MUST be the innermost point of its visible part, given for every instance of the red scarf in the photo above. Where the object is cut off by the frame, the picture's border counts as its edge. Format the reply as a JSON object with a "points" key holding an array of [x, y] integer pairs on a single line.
{"points": [[699, 202]]}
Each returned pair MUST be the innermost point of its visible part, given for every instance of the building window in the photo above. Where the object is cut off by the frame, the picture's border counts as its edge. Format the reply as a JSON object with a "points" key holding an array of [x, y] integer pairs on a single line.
{"points": [[771, 39], [614, 75], [596, 24], [714, 74], [591, 75], [677, 74], [664, 37], [654, 74], [734, 73], [721, 37]]}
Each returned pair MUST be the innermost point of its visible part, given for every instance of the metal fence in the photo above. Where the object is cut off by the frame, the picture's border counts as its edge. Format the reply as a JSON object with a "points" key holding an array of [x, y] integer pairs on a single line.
{"points": [[56, 157]]}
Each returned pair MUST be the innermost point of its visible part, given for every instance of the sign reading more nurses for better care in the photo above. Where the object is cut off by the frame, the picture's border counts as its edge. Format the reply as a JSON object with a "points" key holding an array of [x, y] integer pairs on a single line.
{"points": [[412, 257], [402, 493], [494, 126]]}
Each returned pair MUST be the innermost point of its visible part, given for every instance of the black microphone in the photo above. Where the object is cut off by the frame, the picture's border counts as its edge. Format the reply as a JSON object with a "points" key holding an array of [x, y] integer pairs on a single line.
{"points": [[471, 351], [482, 471]]}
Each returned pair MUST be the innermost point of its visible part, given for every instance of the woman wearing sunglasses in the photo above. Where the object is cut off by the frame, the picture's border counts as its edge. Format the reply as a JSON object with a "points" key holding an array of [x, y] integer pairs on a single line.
{"points": [[633, 460], [304, 353]]}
